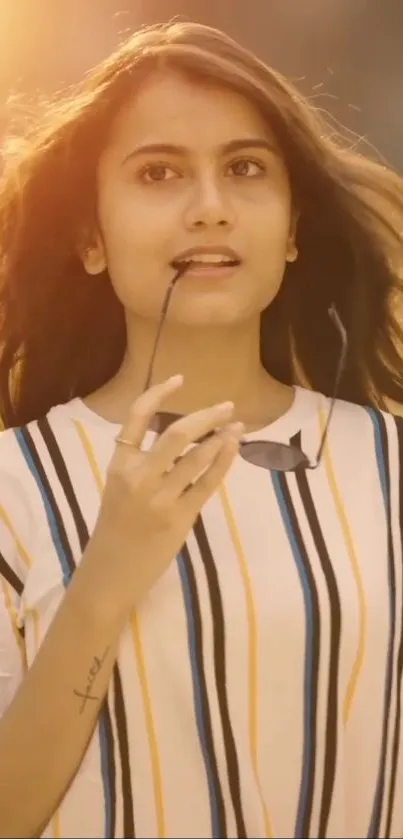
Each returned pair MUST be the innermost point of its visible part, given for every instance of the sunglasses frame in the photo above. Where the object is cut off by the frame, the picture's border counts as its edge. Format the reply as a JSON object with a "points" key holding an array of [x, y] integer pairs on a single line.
{"points": [[164, 419], [304, 462]]}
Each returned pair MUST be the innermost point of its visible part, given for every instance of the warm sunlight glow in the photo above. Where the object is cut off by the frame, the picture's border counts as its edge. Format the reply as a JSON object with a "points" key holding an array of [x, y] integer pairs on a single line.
{"points": [[12, 22]]}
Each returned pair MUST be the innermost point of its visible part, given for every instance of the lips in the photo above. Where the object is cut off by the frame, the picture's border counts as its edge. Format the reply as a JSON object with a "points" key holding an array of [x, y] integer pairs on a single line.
{"points": [[207, 257]]}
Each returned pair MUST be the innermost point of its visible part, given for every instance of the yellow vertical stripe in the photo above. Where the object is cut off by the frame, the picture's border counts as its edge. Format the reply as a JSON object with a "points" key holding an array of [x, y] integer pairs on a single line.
{"points": [[89, 451], [26, 558], [35, 618], [21, 550], [56, 825], [12, 613], [252, 633], [141, 666], [152, 739], [352, 554], [56, 819], [23, 553]]}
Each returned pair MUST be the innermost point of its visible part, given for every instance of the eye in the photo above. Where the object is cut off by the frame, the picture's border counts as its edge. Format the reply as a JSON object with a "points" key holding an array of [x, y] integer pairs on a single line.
{"points": [[157, 173], [246, 168]]}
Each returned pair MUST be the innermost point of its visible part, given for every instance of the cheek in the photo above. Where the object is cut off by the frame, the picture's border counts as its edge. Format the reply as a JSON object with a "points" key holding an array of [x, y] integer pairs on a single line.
{"points": [[138, 233], [268, 213], [136, 246], [271, 238], [123, 223]]}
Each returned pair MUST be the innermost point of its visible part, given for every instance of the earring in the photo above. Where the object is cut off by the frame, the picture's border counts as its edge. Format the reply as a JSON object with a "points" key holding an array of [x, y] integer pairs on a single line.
{"points": [[292, 253], [94, 261]]}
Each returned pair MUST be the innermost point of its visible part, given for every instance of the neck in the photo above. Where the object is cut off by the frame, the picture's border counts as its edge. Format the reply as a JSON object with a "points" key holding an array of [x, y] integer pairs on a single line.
{"points": [[218, 364]]}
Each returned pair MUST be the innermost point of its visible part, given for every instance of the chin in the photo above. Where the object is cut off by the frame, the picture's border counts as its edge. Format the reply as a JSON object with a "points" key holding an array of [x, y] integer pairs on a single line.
{"points": [[203, 310], [204, 316]]}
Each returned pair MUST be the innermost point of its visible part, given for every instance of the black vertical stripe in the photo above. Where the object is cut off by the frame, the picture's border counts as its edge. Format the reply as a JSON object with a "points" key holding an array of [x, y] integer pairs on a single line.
{"points": [[305, 816], [121, 722], [48, 492], [10, 576], [334, 655], [204, 702], [104, 716], [379, 798], [65, 482], [220, 670], [106, 723], [83, 535], [16, 584], [399, 674]]}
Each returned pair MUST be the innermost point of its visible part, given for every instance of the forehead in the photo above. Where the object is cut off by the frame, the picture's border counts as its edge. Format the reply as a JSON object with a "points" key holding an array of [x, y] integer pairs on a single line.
{"points": [[176, 109]]}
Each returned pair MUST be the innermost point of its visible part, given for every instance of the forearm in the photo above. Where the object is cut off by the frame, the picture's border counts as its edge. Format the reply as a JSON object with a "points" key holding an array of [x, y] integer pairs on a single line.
{"points": [[46, 730]]}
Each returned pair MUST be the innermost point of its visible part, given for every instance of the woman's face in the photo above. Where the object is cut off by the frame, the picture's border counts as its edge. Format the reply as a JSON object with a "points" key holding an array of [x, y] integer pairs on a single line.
{"points": [[190, 166]]}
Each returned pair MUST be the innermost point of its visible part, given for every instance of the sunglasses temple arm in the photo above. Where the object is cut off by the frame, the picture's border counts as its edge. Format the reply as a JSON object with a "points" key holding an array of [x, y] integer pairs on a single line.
{"points": [[157, 339], [180, 271], [340, 370]]}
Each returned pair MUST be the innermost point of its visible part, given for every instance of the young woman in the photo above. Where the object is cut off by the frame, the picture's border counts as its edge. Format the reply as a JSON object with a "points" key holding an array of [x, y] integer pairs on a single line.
{"points": [[201, 622]]}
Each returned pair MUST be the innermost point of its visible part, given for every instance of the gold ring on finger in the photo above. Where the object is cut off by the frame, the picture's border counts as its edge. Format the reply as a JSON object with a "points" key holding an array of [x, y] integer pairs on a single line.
{"points": [[125, 442]]}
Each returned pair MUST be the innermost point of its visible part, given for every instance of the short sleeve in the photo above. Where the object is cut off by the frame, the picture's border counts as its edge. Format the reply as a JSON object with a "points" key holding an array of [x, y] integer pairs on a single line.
{"points": [[399, 433], [388, 430], [14, 566]]}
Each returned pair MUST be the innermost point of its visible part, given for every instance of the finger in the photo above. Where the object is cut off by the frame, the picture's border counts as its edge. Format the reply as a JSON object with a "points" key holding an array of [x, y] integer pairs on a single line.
{"points": [[211, 479], [175, 440], [194, 463], [144, 408]]}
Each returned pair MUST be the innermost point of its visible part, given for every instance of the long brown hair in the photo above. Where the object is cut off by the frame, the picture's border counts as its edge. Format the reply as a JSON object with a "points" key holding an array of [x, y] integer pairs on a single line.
{"points": [[62, 332]]}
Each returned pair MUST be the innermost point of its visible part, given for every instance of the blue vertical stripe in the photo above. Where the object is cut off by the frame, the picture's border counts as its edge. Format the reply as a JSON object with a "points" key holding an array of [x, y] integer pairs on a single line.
{"points": [[35, 467], [197, 695], [54, 531], [381, 458], [104, 741], [307, 756], [397, 523]]}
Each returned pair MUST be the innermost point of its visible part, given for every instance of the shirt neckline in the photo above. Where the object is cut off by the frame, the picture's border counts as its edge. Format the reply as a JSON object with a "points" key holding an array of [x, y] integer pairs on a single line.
{"points": [[304, 405]]}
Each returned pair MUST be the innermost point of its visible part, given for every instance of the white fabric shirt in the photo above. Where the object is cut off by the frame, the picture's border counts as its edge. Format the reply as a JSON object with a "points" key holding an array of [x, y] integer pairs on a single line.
{"points": [[258, 688]]}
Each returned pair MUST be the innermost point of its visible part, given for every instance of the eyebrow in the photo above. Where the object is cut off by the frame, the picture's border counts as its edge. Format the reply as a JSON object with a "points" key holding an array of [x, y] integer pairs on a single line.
{"points": [[225, 148]]}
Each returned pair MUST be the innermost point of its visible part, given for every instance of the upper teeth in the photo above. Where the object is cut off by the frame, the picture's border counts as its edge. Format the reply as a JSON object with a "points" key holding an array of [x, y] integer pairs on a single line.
{"points": [[213, 257]]}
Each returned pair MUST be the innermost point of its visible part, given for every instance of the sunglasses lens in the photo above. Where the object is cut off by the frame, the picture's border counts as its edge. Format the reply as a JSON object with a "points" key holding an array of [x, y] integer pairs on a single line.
{"points": [[275, 457]]}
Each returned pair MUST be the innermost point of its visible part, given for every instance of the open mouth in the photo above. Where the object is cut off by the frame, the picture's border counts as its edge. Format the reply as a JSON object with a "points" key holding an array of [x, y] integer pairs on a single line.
{"points": [[206, 258], [204, 263]]}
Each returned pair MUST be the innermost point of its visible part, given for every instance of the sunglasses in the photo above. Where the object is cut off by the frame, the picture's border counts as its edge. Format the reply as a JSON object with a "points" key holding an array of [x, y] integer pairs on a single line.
{"points": [[275, 457]]}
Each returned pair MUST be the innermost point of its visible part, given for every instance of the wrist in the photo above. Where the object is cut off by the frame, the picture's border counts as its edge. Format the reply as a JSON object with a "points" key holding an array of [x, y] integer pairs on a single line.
{"points": [[96, 591]]}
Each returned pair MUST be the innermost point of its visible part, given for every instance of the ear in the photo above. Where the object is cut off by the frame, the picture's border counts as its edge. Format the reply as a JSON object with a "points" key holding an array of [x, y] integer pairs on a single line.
{"points": [[92, 255], [292, 250]]}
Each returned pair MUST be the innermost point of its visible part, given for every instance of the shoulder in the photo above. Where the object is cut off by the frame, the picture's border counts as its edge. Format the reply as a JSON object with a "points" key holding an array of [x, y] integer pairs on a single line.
{"points": [[22, 453], [30, 457], [52, 473], [18, 511], [28, 450], [14, 472], [346, 415], [355, 431], [361, 435], [353, 419]]}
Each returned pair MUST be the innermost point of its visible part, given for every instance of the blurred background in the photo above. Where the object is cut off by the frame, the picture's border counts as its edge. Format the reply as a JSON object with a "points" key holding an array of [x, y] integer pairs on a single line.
{"points": [[346, 54]]}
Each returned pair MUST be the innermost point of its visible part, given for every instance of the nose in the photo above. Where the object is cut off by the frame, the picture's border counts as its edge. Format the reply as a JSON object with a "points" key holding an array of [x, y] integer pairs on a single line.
{"points": [[209, 206]]}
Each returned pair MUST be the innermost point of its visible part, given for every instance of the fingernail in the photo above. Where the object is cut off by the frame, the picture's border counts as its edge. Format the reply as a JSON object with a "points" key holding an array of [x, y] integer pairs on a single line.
{"points": [[226, 407], [235, 428], [176, 380]]}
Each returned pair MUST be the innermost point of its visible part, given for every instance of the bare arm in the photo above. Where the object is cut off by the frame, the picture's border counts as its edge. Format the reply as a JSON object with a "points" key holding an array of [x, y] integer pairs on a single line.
{"points": [[148, 507], [73, 666]]}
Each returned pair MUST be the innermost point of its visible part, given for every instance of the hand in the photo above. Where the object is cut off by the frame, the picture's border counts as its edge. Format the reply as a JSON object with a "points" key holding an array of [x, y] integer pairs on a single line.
{"points": [[152, 499]]}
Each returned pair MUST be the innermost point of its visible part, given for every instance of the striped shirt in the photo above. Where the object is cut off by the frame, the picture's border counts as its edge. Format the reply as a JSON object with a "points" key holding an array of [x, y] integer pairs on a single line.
{"points": [[257, 690]]}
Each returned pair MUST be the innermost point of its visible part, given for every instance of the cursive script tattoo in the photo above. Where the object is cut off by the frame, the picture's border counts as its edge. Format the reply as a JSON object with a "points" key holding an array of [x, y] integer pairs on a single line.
{"points": [[88, 695]]}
